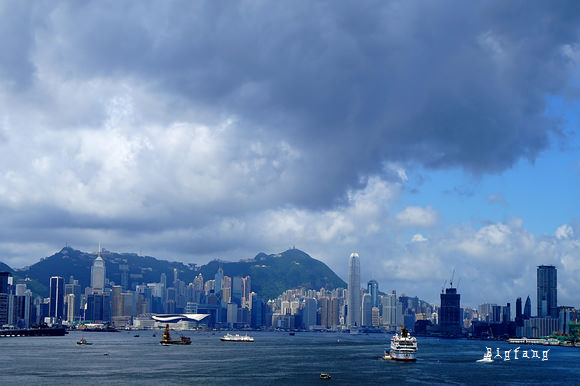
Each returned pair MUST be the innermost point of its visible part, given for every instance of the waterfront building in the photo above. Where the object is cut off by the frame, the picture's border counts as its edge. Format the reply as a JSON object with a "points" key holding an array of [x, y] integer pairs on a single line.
{"points": [[392, 311], [450, 313], [565, 316], [373, 290], [547, 295], [56, 305], [4, 282], [539, 327], [354, 299], [98, 273], [367, 310], [23, 310], [258, 311], [4, 297], [99, 307]]}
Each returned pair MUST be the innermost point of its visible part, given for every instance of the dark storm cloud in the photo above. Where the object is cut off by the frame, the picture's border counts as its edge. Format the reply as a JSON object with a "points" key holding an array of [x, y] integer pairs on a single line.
{"points": [[445, 84]]}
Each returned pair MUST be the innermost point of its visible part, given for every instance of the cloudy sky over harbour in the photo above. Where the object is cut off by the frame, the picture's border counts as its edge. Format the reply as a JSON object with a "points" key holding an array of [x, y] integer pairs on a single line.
{"points": [[427, 136]]}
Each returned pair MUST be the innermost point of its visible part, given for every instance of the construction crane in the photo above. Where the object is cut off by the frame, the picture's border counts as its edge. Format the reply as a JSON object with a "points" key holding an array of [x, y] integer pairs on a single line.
{"points": [[443, 287], [451, 281]]}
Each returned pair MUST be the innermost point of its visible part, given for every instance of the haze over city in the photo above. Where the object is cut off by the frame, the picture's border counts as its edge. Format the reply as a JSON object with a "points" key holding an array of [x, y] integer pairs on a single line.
{"points": [[427, 137]]}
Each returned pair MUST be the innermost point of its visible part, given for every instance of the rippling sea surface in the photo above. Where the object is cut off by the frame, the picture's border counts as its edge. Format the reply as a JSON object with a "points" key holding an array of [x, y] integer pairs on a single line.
{"points": [[274, 358]]}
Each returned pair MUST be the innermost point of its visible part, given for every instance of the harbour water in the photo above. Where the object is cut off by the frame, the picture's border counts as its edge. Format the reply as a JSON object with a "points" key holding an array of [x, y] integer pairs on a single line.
{"points": [[273, 359]]}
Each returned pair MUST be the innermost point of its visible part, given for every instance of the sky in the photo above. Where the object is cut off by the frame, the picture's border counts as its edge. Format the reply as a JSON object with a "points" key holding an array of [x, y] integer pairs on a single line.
{"points": [[436, 139]]}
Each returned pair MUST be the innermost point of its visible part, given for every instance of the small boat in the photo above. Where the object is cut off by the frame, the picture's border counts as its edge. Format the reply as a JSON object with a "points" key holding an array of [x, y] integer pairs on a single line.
{"points": [[236, 338], [136, 336], [167, 341], [292, 334], [403, 347], [486, 357], [325, 376], [83, 341]]}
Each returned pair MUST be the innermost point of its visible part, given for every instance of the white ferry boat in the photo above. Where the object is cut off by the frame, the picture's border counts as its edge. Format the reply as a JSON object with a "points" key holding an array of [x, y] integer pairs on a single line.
{"points": [[236, 338], [403, 347]]}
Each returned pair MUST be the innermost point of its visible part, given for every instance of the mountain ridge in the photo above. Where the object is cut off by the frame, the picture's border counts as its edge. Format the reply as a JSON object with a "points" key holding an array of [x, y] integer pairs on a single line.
{"points": [[271, 274]]}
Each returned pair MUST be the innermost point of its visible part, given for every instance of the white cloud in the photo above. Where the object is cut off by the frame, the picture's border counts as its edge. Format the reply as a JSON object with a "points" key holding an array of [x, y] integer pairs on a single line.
{"points": [[415, 216], [418, 238], [564, 232]]}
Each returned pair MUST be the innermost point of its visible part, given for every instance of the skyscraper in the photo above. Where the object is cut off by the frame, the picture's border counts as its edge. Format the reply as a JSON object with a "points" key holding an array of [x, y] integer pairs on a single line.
{"points": [[98, 274], [450, 312], [56, 305], [4, 282], [367, 311], [391, 316], [528, 309], [373, 290], [547, 291], [219, 277], [519, 315], [4, 297], [354, 298], [73, 288]]}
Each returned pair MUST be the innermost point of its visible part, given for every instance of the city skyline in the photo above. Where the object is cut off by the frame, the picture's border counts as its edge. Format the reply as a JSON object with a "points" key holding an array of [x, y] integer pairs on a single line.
{"points": [[426, 136], [544, 297], [228, 301]]}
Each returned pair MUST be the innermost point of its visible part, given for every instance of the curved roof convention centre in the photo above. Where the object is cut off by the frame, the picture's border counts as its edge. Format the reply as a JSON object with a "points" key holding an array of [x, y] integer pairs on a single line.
{"points": [[170, 318]]}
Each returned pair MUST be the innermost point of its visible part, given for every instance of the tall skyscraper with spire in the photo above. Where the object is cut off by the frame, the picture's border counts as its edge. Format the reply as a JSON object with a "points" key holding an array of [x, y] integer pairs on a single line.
{"points": [[98, 274], [354, 299]]}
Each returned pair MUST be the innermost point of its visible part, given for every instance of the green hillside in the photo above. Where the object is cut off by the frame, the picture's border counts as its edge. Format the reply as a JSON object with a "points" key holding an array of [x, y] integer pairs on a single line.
{"points": [[271, 274], [71, 262], [5, 268]]}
